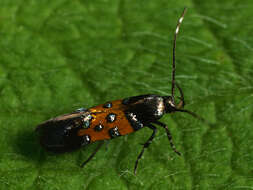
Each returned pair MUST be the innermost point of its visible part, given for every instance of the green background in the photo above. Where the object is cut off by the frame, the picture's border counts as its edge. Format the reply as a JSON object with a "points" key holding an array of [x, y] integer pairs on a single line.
{"points": [[57, 56]]}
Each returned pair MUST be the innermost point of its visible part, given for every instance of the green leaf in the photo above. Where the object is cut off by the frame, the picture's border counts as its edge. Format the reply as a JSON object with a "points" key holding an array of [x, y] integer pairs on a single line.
{"points": [[57, 56]]}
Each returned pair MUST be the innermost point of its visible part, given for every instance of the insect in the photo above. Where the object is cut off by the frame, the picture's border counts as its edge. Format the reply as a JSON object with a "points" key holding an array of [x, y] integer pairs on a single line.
{"points": [[113, 119]]}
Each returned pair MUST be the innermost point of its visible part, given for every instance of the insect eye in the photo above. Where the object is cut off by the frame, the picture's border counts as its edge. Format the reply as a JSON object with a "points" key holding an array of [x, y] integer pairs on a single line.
{"points": [[169, 104]]}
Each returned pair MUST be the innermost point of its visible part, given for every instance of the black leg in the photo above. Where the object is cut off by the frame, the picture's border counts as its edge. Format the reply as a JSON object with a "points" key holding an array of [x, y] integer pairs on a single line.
{"points": [[93, 154], [146, 144], [169, 136]]}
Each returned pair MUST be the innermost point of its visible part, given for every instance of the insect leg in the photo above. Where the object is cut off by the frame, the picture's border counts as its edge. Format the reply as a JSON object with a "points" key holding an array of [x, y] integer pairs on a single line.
{"points": [[169, 136], [93, 154], [145, 145]]}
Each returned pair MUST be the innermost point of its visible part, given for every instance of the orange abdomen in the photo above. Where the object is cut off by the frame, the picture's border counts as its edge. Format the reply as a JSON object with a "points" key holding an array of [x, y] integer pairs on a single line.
{"points": [[108, 121]]}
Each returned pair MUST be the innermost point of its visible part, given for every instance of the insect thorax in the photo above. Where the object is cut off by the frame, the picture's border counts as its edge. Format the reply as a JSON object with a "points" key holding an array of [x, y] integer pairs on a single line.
{"points": [[144, 109]]}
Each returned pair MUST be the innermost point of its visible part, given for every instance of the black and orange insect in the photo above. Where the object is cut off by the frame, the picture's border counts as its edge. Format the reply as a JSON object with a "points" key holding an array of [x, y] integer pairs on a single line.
{"points": [[113, 119]]}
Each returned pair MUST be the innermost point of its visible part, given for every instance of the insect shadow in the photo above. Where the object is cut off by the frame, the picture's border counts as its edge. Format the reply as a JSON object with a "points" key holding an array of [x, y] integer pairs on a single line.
{"points": [[27, 145]]}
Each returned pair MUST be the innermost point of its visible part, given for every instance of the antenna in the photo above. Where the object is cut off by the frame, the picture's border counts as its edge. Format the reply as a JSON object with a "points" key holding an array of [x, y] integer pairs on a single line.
{"points": [[174, 54], [196, 116], [181, 103]]}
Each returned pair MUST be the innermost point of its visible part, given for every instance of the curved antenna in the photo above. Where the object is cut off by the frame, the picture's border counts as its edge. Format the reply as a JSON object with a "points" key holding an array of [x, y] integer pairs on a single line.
{"points": [[174, 54], [181, 104]]}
